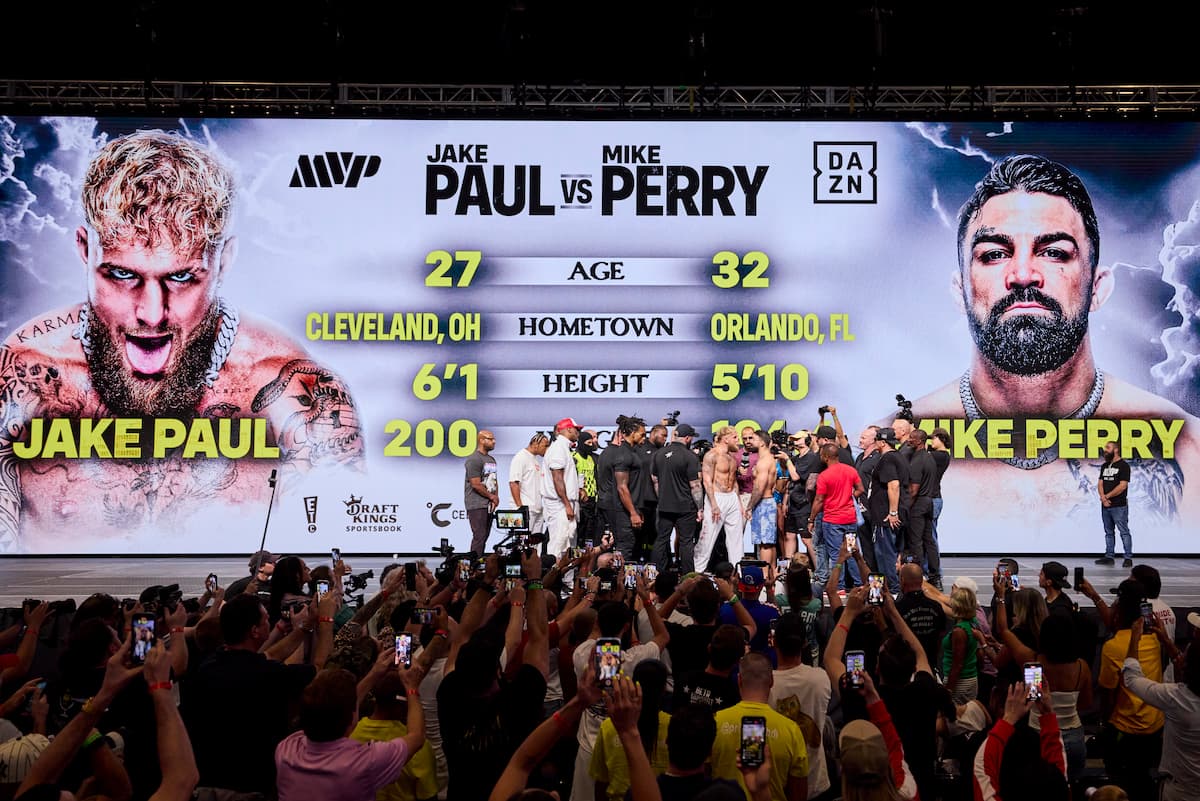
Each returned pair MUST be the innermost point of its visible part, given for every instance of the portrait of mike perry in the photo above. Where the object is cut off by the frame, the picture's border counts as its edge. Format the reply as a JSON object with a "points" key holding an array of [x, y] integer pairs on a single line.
{"points": [[154, 341], [1029, 278]]}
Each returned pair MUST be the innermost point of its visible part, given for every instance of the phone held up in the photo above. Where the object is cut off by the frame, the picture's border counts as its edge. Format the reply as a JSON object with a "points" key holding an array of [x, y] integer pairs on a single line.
{"points": [[210, 583], [404, 650], [856, 666], [1033, 681], [754, 741], [142, 628], [608, 660]]}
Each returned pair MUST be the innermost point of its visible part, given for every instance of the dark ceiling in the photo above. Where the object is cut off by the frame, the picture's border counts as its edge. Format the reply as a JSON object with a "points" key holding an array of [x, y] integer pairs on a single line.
{"points": [[617, 42]]}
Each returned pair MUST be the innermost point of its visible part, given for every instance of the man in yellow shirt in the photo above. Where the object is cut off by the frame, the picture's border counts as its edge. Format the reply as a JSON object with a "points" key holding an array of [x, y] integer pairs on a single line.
{"points": [[418, 780], [789, 753], [1132, 735]]}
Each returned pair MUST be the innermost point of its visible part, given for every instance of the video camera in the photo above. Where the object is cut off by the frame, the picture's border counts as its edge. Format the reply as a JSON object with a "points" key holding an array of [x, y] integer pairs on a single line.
{"points": [[160, 597], [672, 419], [779, 441], [57, 607], [905, 405], [358, 581]]}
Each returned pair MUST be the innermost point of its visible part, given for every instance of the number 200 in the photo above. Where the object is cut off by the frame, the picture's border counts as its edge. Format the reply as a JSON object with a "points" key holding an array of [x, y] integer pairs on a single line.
{"points": [[431, 438]]}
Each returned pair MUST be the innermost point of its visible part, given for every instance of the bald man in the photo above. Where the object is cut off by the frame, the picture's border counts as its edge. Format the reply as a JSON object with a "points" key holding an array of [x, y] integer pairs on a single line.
{"points": [[923, 615], [480, 489]]}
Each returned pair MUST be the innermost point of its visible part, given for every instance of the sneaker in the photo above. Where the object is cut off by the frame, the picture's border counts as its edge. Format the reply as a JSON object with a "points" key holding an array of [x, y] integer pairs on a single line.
{"points": [[1127, 563], [1106, 560]]}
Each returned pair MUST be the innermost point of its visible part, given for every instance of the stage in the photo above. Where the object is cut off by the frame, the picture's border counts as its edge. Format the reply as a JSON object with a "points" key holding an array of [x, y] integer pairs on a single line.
{"points": [[50, 578]]}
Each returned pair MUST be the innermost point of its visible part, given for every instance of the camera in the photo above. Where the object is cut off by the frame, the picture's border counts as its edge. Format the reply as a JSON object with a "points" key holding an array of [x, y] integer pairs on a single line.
{"points": [[358, 581], [160, 597], [905, 405], [672, 419], [67, 605], [779, 442], [822, 411], [701, 447]]}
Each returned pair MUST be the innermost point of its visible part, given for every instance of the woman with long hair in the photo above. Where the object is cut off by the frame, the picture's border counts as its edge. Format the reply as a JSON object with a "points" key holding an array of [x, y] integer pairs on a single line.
{"points": [[959, 663], [610, 768], [1070, 681], [289, 583]]}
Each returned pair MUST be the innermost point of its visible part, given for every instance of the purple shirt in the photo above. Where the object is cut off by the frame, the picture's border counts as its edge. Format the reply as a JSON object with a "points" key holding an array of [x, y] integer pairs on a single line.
{"points": [[343, 769], [746, 481]]}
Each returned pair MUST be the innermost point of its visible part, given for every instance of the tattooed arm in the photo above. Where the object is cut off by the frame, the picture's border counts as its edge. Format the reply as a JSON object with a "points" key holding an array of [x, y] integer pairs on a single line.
{"points": [[320, 425]]}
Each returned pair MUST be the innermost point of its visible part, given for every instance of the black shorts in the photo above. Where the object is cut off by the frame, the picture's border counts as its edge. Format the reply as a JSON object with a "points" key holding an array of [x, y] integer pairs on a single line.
{"points": [[796, 521]]}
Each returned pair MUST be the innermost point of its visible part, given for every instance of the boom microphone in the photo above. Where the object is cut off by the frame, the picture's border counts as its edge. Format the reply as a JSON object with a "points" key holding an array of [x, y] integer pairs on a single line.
{"points": [[271, 480]]}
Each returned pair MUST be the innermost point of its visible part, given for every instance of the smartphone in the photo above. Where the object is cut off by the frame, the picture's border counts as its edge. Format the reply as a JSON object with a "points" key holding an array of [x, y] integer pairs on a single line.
{"points": [[631, 577], [851, 540], [322, 588], [404, 650], [510, 584], [856, 666], [410, 576], [1033, 681], [774, 624], [1148, 614], [464, 570], [1015, 582], [422, 616], [606, 586], [1002, 570], [210, 583], [336, 555], [587, 545], [143, 637], [754, 740], [445, 545], [41, 688], [909, 559], [650, 572], [512, 571], [576, 553], [1078, 577], [875, 589], [606, 540], [608, 660]]}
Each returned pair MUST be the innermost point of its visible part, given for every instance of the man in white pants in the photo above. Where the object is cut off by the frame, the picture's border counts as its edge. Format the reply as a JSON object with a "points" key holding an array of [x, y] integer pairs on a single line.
{"points": [[560, 488], [525, 479], [722, 506]]}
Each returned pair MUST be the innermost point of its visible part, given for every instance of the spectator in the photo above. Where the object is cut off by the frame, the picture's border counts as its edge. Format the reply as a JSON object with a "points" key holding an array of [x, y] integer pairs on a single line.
{"points": [[1132, 737], [245, 680], [289, 583], [873, 765], [959, 661], [1151, 582], [714, 687], [418, 781], [750, 586], [610, 766], [789, 752], [801, 600], [262, 565], [1052, 578], [1069, 679], [688, 645], [801, 693], [1180, 704], [1020, 640], [986, 647], [1016, 764], [690, 739], [321, 761], [921, 614]]}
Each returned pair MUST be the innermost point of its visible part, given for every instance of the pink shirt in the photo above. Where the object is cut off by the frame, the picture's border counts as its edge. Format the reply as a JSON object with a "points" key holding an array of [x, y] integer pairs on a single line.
{"points": [[343, 769]]}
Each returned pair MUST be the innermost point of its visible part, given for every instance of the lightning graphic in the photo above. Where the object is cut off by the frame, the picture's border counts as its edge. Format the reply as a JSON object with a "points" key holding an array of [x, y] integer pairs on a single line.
{"points": [[935, 133], [936, 205]]}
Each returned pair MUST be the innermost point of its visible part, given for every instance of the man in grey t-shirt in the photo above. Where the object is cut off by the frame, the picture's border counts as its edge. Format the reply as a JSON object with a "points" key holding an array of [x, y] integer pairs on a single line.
{"points": [[480, 490]]}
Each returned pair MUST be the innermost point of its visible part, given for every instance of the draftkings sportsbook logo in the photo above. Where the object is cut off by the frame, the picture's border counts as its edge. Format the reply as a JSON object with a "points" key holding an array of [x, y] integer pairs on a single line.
{"points": [[371, 517], [330, 169]]}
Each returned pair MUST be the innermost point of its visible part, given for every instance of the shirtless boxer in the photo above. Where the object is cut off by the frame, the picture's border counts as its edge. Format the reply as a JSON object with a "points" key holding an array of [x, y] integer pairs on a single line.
{"points": [[722, 506]]}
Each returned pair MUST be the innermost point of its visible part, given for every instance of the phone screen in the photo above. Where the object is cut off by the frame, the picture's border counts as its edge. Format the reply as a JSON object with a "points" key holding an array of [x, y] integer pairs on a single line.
{"points": [[1002, 570], [143, 637], [464, 570], [322, 588], [754, 738], [512, 571], [630, 577], [1148, 614], [422, 616], [856, 665], [404, 650], [851, 539], [1015, 581], [210, 583], [336, 554], [1033, 680], [875, 589], [608, 660], [651, 573]]}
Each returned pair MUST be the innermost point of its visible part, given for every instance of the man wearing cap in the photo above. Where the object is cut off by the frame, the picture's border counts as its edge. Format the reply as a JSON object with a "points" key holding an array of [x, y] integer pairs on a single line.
{"points": [[888, 505], [262, 565], [560, 487], [676, 474], [480, 489], [872, 754], [822, 436], [1053, 579], [750, 583], [922, 483], [525, 479], [802, 461]]}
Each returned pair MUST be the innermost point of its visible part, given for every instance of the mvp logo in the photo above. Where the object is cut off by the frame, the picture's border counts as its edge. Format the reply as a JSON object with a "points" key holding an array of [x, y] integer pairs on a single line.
{"points": [[334, 169]]}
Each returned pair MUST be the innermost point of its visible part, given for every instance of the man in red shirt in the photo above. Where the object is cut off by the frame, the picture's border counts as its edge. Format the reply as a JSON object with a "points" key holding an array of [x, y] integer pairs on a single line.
{"points": [[837, 487]]}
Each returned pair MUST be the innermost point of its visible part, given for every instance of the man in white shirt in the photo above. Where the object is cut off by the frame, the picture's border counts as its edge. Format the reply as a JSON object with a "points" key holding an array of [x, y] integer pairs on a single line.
{"points": [[560, 488], [525, 479], [801, 692]]}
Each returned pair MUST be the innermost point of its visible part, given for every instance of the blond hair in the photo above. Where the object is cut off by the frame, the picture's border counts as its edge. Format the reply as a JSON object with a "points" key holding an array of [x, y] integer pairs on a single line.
{"points": [[962, 603], [153, 188], [724, 432]]}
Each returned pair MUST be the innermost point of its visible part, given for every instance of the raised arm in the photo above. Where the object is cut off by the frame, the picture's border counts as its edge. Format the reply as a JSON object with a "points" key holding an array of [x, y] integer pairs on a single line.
{"points": [[473, 615], [537, 650], [893, 615], [175, 757], [661, 635]]}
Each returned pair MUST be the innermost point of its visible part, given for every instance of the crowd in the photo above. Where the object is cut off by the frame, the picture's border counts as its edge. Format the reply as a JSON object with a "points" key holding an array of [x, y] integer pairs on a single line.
{"points": [[592, 663]]}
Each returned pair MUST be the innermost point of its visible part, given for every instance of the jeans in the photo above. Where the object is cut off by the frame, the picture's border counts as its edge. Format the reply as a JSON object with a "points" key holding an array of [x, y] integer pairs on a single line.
{"points": [[885, 555], [832, 535], [1076, 747], [1116, 517], [937, 512]]}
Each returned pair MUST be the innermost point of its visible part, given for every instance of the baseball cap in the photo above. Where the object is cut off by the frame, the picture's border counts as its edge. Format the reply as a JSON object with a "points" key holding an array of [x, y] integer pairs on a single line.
{"points": [[967, 583], [684, 430], [887, 434], [1056, 572], [864, 754], [752, 576], [1131, 588], [17, 756], [567, 422], [263, 558], [801, 435], [1193, 619], [825, 432]]}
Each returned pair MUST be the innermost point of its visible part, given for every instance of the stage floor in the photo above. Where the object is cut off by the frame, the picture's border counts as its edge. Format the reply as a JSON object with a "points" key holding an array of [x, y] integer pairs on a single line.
{"points": [[54, 578]]}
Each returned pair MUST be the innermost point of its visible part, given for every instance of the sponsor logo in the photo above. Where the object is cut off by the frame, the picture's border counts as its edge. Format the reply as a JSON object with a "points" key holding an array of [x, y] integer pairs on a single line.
{"points": [[439, 512], [330, 169], [368, 517], [844, 172], [310, 512]]}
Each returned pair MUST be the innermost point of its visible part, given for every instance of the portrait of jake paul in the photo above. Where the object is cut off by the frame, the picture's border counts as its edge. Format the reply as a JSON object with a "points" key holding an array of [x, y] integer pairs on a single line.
{"points": [[1029, 277], [154, 339]]}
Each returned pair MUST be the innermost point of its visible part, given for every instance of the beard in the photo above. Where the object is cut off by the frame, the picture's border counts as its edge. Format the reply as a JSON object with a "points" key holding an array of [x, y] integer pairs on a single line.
{"points": [[176, 394], [1028, 344]]}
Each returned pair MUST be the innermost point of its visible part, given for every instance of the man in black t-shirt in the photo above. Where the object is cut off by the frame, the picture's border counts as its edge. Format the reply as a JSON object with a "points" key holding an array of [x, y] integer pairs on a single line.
{"points": [[922, 482], [923, 615], [939, 448], [676, 472], [1113, 487], [865, 463], [647, 493], [618, 477], [888, 505], [802, 462]]}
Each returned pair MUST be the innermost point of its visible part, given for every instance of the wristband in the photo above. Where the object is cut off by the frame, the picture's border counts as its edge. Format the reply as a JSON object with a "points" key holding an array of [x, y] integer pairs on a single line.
{"points": [[844, 627], [442, 633], [517, 603], [32, 631], [160, 685], [413, 693], [177, 629], [533, 584], [91, 739], [562, 724], [325, 619], [734, 600], [88, 709]]}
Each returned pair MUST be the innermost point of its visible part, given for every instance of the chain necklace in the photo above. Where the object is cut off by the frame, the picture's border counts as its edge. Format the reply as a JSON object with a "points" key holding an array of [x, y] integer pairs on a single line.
{"points": [[222, 345], [971, 409]]}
